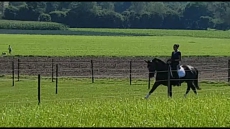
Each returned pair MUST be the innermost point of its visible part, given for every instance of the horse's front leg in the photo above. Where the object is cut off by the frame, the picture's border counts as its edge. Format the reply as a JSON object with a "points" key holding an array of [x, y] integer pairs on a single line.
{"points": [[155, 85], [187, 90]]}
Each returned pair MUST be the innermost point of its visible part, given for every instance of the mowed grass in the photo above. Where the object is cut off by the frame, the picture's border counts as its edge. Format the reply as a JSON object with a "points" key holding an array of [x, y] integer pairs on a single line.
{"points": [[111, 103], [124, 32], [153, 32], [65, 45]]}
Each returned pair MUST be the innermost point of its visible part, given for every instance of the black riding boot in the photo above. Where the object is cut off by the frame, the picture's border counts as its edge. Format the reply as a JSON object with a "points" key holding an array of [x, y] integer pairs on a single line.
{"points": [[177, 79]]}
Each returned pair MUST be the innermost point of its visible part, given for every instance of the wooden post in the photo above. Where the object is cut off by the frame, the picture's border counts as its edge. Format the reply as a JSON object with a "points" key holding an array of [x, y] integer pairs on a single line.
{"points": [[12, 73], [92, 71], [52, 67], [18, 68], [130, 73], [228, 70], [56, 78], [39, 89], [169, 85]]}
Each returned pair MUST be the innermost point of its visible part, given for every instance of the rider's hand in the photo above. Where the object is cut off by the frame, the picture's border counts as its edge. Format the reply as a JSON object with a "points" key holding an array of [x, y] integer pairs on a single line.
{"points": [[169, 62]]}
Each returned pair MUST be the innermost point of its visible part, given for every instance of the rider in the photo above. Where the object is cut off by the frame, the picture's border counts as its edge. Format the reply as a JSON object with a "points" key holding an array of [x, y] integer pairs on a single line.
{"points": [[175, 61]]}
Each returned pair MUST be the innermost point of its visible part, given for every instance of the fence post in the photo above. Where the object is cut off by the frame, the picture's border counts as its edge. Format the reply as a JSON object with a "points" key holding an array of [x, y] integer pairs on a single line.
{"points": [[228, 70], [56, 78], [18, 68], [92, 71], [12, 73], [52, 67], [39, 89], [149, 81], [130, 73], [169, 85]]}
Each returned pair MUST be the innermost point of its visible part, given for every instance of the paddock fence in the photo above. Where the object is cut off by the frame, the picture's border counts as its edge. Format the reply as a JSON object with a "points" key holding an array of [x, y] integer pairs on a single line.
{"points": [[210, 68], [93, 68]]}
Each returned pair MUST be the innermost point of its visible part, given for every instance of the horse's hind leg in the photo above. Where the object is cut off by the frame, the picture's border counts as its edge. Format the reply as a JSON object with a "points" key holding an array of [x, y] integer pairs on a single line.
{"points": [[187, 90], [193, 87]]}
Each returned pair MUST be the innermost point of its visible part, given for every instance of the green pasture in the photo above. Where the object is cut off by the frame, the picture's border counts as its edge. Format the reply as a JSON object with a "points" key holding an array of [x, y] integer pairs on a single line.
{"points": [[152, 32], [91, 45], [111, 103], [123, 32]]}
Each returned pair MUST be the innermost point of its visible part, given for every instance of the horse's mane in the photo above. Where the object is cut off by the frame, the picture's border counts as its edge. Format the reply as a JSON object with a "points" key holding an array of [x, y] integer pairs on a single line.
{"points": [[158, 60]]}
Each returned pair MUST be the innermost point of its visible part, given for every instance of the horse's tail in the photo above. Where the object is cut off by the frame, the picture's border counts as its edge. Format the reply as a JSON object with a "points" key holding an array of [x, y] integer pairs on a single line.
{"points": [[196, 80]]}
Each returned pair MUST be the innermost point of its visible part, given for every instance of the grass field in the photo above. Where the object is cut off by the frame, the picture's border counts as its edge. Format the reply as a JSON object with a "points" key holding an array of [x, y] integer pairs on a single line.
{"points": [[113, 103], [65, 45], [153, 32], [124, 32]]}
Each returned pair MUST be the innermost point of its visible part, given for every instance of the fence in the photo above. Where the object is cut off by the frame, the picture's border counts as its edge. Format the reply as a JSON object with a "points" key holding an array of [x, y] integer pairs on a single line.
{"points": [[102, 68], [209, 69]]}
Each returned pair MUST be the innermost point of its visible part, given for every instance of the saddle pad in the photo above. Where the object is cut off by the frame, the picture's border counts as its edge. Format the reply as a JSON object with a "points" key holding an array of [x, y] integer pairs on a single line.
{"points": [[181, 72]]}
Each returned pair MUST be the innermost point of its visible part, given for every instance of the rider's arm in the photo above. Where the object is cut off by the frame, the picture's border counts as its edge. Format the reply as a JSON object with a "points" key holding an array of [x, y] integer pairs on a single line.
{"points": [[172, 56]]}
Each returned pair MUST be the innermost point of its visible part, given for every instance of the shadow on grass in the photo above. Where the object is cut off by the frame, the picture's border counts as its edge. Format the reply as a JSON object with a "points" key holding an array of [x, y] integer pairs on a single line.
{"points": [[69, 32]]}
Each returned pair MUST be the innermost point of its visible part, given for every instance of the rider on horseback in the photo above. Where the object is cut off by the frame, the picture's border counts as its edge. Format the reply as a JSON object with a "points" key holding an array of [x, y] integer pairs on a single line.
{"points": [[175, 61]]}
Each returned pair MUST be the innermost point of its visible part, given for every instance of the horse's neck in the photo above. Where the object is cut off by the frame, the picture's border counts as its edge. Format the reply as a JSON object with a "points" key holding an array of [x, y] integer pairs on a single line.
{"points": [[163, 67]]}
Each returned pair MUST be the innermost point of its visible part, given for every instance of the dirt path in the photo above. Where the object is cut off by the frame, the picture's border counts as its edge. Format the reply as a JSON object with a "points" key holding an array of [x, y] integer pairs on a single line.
{"points": [[211, 68]]}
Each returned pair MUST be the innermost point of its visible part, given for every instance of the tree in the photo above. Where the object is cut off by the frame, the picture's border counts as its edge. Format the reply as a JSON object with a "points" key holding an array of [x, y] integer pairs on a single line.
{"points": [[205, 22], [51, 6], [172, 20], [138, 7], [121, 6], [39, 7], [63, 6], [107, 5], [192, 13], [83, 15], [10, 13], [109, 19], [58, 16], [161, 15], [17, 4]]}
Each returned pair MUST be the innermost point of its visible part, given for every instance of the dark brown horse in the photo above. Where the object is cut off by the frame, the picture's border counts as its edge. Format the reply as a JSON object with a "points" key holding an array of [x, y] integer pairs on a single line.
{"points": [[187, 73]]}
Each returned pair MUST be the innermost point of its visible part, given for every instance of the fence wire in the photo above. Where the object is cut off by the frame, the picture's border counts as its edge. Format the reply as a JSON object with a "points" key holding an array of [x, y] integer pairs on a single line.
{"points": [[65, 66]]}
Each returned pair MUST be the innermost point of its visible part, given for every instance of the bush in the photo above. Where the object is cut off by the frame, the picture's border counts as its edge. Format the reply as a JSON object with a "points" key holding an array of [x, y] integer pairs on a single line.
{"points": [[31, 25], [44, 17], [58, 16]]}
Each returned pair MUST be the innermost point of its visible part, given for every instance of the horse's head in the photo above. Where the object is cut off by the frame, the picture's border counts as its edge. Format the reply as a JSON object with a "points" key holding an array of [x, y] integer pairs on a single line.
{"points": [[155, 65], [152, 66]]}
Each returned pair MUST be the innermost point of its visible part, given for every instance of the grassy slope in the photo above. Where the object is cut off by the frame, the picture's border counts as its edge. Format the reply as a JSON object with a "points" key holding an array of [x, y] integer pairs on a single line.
{"points": [[111, 103], [50, 45]]}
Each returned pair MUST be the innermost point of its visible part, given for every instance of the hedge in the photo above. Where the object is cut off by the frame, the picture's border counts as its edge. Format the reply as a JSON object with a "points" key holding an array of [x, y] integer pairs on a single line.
{"points": [[31, 25]]}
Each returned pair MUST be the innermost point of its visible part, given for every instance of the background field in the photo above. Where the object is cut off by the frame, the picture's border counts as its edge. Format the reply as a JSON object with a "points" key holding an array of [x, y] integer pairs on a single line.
{"points": [[57, 45], [123, 32], [111, 103]]}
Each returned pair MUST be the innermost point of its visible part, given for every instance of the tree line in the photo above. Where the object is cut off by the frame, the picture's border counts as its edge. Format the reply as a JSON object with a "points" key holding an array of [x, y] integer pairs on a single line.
{"points": [[144, 15]]}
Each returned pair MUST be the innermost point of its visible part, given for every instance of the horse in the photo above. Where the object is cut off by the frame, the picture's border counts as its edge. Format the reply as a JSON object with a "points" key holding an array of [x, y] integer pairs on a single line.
{"points": [[187, 73]]}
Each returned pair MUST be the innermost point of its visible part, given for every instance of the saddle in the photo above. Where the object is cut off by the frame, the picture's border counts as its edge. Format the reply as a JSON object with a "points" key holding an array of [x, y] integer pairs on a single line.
{"points": [[180, 71]]}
